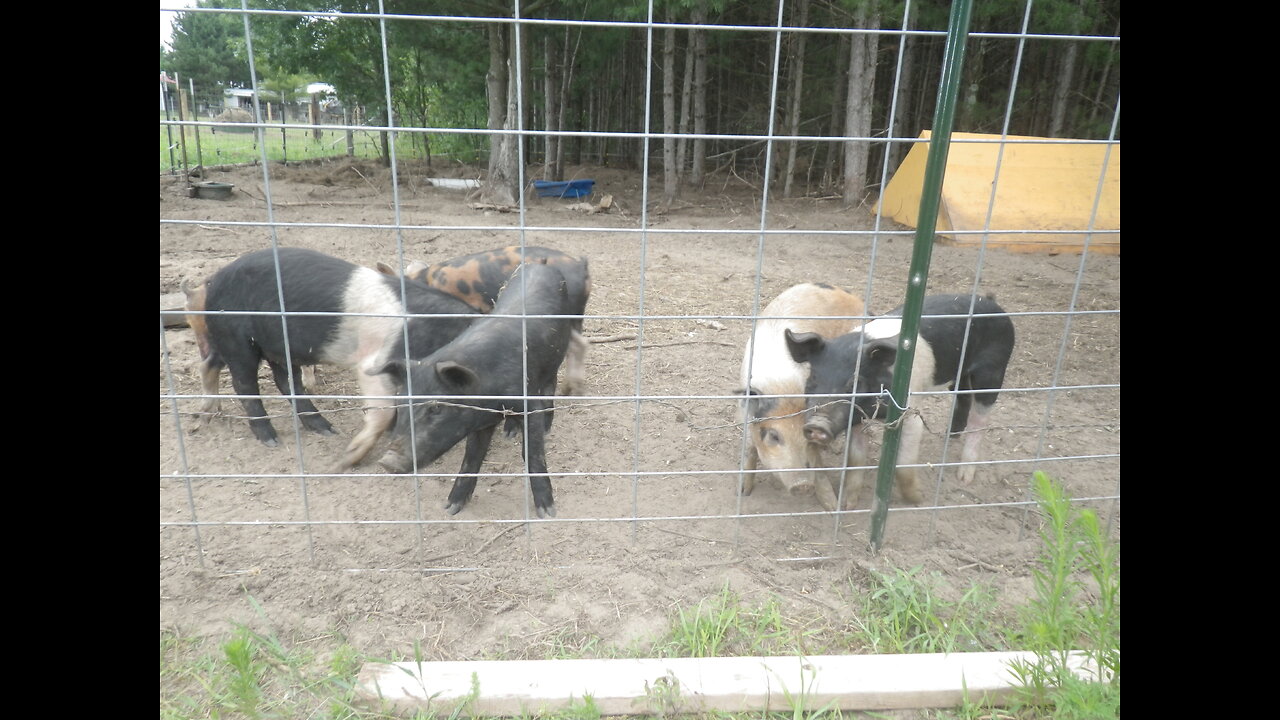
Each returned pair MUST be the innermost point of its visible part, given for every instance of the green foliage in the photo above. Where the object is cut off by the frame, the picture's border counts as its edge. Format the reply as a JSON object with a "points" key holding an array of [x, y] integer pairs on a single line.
{"points": [[905, 613], [206, 50], [720, 626], [242, 687], [1069, 613], [584, 709]]}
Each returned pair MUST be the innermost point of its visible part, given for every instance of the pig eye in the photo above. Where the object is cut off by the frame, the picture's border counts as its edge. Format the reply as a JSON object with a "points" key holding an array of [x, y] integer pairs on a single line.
{"points": [[770, 436]]}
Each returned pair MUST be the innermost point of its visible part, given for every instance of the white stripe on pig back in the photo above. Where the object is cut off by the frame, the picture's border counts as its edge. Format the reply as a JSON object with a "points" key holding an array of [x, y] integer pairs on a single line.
{"points": [[922, 366], [362, 342]]}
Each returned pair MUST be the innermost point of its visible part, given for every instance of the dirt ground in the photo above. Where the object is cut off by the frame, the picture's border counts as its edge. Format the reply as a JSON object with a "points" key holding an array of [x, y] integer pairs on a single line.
{"points": [[465, 586]]}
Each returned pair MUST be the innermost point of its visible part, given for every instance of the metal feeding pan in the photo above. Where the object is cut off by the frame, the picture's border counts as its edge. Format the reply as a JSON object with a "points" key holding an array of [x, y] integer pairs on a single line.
{"points": [[211, 190]]}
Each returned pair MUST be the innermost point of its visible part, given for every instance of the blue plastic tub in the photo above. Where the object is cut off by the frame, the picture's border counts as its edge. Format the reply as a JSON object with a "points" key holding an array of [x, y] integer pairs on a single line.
{"points": [[570, 189]]}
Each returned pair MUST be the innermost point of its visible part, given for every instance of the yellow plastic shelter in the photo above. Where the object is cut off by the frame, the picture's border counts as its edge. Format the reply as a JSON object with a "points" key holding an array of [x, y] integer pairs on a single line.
{"points": [[1044, 184]]}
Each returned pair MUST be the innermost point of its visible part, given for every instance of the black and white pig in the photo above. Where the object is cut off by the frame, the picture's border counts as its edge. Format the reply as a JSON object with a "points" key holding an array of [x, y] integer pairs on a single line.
{"points": [[313, 282], [936, 366], [484, 368]]}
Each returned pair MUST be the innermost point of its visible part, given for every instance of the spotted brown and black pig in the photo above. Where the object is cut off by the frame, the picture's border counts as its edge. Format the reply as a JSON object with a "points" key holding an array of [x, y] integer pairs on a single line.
{"points": [[937, 365], [316, 283], [476, 280], [472, 383], [776, 424]]}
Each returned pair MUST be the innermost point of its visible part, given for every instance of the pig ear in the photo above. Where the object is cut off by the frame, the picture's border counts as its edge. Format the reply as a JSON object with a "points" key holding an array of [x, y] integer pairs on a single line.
{"points": [[417, 270], [455, 376], [882, 352], [803, 345], [385, 269], [394, 367]]}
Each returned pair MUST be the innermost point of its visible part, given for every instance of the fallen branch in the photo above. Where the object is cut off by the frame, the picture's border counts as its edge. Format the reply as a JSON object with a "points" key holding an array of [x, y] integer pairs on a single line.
{"points": [[495, 537], [685, 342], [612, 338], [492, 206]]}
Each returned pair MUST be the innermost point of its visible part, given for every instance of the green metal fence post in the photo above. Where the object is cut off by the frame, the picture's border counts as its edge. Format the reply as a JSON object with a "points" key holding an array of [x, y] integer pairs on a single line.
{"points": [[918, 275]]}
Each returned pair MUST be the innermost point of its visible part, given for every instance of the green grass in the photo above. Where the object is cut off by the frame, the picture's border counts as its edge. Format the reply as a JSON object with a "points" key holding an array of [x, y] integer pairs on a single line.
{"points": [[254, 674], [1076, 607], [905, 613], [295, 143]]}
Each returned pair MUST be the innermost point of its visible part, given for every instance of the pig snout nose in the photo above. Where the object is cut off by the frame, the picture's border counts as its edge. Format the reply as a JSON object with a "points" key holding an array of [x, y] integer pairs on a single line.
{"points": [[817, 430]]}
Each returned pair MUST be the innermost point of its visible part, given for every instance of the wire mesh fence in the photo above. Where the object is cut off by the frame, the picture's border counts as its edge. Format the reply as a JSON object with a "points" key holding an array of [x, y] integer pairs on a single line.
{"points": [[649, 456]]}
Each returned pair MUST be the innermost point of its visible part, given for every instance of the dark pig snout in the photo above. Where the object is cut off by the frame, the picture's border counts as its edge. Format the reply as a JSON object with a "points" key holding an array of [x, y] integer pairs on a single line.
{"points": [[818, 429]]}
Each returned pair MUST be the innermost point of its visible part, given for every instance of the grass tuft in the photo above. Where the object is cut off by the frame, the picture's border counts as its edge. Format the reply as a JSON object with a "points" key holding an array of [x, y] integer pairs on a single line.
{"points": [[1077, 607], [905, 613]]}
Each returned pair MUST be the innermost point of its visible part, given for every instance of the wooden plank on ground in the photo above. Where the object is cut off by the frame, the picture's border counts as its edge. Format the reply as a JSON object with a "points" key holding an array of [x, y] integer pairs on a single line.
{"points": [[693, 685], [172, 309]]}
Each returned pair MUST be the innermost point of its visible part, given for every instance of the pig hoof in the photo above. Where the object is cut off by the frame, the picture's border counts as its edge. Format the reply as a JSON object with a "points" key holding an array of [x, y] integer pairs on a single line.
{"points": [[453, 508], [548, 511], [271, 442], [394, 462]]}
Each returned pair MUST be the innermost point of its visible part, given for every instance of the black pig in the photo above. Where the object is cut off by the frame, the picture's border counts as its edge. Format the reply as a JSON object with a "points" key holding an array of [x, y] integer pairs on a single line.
{"points": [[936, 366], [316, 283], [477, 278], [484, 369]]}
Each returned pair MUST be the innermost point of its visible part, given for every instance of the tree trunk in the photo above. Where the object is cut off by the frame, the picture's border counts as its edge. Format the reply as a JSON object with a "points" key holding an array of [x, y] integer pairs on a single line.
{"points": [[697, 170], [968, 116], [862, 82], [670, 173], [566, 80], [1102, 82], [686, 92], [902, 126], [831, 163], [1062, 89], [503, 184], [797, 89], [551, 93]]}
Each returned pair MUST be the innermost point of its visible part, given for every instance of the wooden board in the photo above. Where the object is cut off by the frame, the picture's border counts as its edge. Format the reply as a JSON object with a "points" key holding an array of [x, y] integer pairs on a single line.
{"points": [[172, 313], [692, 685]]}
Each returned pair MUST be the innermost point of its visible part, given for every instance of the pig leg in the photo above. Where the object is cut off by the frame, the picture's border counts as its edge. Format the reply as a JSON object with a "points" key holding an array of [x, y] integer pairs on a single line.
{"points": [[749, 477], [826, 495], [909, 454], [852, 480], [309, 377], [513, 426], [961, 413], [306, 410], [978, 421], [574, 366], [379, 416], [539, 479], [544, 411], [465, 484], [244, 380], [210, 371]]}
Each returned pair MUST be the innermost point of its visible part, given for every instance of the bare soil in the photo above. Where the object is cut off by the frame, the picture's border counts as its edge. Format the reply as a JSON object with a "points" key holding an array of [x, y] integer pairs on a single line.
{"points": [[466, 587]]}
